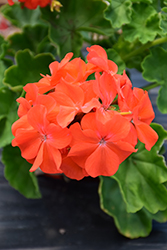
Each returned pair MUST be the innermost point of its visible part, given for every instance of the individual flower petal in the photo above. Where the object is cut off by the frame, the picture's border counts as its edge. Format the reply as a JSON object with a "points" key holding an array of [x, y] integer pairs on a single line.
{"points": [[105, 86], [102, 161], [98, 57], [51, 159], [28, 141], [37, 118], [146, 135], [72, 170]]}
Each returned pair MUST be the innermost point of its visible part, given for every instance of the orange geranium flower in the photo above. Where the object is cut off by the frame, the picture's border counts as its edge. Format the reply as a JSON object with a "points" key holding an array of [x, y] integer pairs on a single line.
{"points": [[70, 168], [138, 103], [105, 86], [58, 71], [99, 147], [32, 4], [39, 140], [33, 98], [98, 57], [71, 101], [69, 124]]}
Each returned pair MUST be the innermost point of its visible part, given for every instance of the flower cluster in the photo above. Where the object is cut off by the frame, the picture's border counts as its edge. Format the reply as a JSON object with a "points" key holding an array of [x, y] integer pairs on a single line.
{"points": [[32, 4], [84, 119]]}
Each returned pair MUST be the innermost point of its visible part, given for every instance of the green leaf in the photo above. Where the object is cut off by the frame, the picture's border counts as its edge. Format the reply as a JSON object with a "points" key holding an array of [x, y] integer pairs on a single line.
{"points": [[141, 177], [27, 69], [29, 38], [114, 56], [111, 201], [154, 69], [17, 173], [21, 17], [125, 48], [144, 24], [144, 1], [75, 17], [154, 66], [3, 45], [163, 20], [8, 115], [162, 100], [131, 225], [2, 70], [160, 216], [119, 12]]}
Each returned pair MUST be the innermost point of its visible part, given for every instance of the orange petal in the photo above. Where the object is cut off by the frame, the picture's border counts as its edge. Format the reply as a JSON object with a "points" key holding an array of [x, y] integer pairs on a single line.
{"points": [[23, 107], [80, 152], [96, 51], [115, 129], [37, 118], [28, 141], [58, 137], [21, 123], [38, 160], [66, 115], [102, 161], [146, 135], [51, 160], [71, 169]]}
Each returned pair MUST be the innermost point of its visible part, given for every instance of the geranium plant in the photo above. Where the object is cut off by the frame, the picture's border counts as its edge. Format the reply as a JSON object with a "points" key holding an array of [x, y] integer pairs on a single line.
{"points": [[68, 106]]}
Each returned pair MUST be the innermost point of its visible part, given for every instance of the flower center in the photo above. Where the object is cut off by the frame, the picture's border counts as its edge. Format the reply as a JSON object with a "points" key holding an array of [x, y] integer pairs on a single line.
{"points": [[43, 137], [102, 142]]}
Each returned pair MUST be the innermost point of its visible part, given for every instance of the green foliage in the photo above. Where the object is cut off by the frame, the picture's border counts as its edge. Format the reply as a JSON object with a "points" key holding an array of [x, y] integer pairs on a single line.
{"points": [[131, 225], [163, 20], [17, 173], [21, 17], [133, 196], [119, 12], [33, 38], [111, 201], [27, 69], [144, 25], [75, 17], [134, 177], [8, 114], [154, 69]]}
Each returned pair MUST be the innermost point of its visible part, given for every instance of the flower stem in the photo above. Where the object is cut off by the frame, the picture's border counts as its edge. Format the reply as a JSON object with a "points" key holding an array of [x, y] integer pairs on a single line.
{"points": [[91, 29], [144, 47], [151, 86]]}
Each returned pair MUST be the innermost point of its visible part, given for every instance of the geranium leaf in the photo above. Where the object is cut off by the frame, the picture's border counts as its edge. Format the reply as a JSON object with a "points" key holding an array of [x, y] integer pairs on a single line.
{"points": [[3, 44], [162, 100], [163, 20], [119, 12], [27, 69], [141, 177], [2, 70], [114, 56], [144, 24], [31, 38], [131, 225], [145, 1], [17, 173], [154, 69], [21, 17], [8, 114], [74, 18]]}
